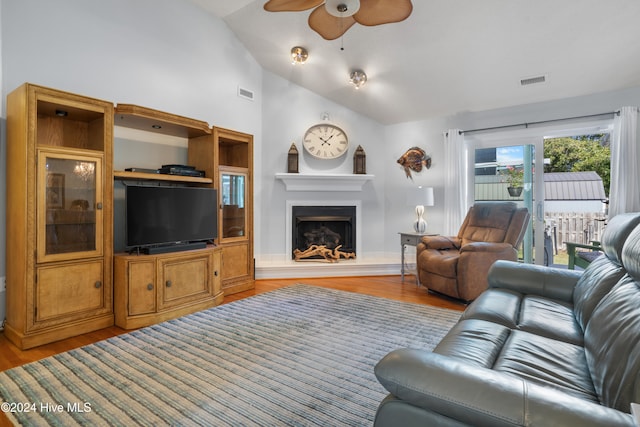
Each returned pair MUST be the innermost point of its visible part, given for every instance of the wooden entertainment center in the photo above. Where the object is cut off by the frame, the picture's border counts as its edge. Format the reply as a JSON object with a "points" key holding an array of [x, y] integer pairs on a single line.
{"points": [[63, 278]]}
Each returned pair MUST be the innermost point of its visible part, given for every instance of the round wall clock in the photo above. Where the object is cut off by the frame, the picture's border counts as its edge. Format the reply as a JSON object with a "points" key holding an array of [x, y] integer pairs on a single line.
{"points": [[325, 141]]}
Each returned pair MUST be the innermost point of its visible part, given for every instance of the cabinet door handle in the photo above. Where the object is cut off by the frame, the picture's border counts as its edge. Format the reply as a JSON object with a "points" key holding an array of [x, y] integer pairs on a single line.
{"points": [[215, 273], [168, 283], [150, 286], [99, 206], [98, 284]]}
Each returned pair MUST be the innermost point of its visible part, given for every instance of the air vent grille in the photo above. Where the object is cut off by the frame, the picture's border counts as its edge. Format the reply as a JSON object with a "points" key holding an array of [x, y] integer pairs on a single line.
{"points": [[533, 80], [245, 93]]}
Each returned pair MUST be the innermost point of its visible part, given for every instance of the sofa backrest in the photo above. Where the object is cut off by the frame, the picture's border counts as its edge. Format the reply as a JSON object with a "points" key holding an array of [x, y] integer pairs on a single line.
{"points": [[603, 273], [494, 222], [612, 336]]}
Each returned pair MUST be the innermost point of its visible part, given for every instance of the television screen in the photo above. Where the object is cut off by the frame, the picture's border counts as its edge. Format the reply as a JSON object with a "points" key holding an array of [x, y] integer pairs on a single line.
{"points": [[157, 215]]}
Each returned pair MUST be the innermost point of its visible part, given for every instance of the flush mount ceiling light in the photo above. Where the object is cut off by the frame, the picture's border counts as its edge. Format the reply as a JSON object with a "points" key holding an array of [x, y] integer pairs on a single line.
{"points": [[357, 78], [332, 18], [299, 55]]}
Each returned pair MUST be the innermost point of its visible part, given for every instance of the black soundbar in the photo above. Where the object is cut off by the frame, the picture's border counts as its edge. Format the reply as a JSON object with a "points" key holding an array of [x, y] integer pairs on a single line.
{"points": [[163, 249]]}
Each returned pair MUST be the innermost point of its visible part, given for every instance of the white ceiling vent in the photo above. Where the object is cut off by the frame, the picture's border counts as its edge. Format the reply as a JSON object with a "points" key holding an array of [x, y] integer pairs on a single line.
{"points": [[533, 80], [245, 93]]}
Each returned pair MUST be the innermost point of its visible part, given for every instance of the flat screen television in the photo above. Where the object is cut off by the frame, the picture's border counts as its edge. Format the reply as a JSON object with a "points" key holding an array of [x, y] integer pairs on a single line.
{"points": [[163, 216]]}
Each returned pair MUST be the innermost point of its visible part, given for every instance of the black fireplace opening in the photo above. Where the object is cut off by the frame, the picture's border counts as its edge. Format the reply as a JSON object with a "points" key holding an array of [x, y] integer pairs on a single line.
{"points": [[329, 226]]}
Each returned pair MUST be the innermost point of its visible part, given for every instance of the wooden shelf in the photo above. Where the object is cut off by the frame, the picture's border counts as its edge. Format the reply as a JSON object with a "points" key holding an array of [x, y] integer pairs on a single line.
{"points": [[147, 119], [125, 175]]}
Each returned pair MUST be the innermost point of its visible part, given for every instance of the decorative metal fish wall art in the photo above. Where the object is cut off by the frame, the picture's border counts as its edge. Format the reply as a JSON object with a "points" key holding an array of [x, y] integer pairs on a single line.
{"points": [[413, 160]]}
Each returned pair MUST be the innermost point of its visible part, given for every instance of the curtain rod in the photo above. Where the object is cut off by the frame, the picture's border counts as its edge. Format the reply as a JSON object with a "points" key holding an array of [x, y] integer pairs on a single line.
{"points": [[526, 125]]}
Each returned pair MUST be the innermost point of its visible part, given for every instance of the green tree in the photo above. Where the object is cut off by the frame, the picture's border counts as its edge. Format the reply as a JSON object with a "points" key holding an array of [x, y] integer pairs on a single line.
{"points": [[580, 154]]}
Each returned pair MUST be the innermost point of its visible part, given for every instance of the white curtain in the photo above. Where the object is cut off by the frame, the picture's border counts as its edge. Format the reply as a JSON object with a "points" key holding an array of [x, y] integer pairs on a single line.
{"points": [[456, 181], [624, 193]]}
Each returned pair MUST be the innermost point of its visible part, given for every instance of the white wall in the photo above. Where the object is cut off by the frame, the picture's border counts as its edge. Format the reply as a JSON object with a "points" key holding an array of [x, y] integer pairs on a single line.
{"points": [[288, 111]]}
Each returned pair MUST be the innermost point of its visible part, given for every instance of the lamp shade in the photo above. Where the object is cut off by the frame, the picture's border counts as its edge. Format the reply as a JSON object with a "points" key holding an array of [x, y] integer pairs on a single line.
{"points": [[420, 196]]}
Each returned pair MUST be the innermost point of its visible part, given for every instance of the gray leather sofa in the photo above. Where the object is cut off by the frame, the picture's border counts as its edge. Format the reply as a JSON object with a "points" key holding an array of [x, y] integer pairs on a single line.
{"points": [[540, 347]]}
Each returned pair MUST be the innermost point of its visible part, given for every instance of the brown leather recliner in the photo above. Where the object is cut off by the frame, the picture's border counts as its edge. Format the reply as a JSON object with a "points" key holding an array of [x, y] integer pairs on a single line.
{"points": [[457, 266]]}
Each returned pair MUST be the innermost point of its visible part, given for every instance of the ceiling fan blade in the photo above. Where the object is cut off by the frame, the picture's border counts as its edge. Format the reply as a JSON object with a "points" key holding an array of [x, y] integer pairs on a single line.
{"points": [[291, 5], [377, 12], [328, 26]]}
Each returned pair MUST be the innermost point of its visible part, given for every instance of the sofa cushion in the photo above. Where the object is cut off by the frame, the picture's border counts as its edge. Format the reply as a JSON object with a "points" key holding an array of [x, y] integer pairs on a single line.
{"points": [[475, 341], [612, 336], [548, 362], [612, 346], [631, 254], [597, 280], [539, 315], [550, 318], [487, 222], [500, 306], [603, 273]]}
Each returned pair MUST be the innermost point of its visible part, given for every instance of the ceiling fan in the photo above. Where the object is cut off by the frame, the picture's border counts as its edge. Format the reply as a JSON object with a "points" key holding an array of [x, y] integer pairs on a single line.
{"points": [[332, 18]]}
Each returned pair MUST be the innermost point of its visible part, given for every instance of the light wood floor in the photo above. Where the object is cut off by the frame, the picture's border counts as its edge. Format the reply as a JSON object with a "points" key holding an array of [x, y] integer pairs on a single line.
{"points": [[390, 287]]}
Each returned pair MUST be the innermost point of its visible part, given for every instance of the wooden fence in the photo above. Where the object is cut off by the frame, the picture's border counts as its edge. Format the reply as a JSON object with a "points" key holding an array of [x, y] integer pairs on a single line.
{"points": [[574, 227]]}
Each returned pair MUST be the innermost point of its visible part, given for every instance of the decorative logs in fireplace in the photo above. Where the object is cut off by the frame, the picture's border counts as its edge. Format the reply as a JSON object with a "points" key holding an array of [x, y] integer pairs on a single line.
{"points": [[323, 232], [314, 251]]}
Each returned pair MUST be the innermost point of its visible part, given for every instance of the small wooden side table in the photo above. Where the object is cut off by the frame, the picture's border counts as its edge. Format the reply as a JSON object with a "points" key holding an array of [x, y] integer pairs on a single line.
{"points": [[411, 239]]}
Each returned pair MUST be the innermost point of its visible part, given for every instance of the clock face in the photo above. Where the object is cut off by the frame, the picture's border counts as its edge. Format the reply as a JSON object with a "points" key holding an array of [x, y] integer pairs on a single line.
{"points": [[325, 141]]}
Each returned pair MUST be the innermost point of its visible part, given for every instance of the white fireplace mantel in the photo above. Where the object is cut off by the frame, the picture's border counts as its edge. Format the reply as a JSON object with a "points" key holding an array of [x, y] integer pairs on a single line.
{"points": [[323, 182]]}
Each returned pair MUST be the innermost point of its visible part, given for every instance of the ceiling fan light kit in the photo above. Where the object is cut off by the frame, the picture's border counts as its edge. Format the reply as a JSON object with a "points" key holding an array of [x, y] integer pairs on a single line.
{"points": [[357, 78], [342, 8], [299, 55], [332, 18]]}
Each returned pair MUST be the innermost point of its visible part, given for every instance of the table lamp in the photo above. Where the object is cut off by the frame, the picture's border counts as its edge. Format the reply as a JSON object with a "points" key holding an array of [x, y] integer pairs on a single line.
{"points": [[420, 197]]}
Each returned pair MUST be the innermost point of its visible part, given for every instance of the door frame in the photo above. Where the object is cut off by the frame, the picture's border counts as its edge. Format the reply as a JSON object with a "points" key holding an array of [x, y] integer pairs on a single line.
{"points": [[534, 135]]}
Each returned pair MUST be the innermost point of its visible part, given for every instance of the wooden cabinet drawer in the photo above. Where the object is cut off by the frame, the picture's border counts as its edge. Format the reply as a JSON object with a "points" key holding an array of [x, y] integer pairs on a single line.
{"points": [[407, 239]]}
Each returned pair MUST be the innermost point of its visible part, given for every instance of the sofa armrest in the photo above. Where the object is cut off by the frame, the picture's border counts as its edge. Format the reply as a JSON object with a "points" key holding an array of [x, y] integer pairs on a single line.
{"points": [[483, 397], [440, 242], [549, 282]]}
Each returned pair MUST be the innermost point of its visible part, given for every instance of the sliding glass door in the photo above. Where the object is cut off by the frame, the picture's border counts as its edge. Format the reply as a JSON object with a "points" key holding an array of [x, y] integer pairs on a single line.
{"points": [[505, 170], [506, 161]]}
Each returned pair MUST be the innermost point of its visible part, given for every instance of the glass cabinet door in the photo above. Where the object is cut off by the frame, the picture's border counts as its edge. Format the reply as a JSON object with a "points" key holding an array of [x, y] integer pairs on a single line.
{"points": [[233, 203], [69, 205]]}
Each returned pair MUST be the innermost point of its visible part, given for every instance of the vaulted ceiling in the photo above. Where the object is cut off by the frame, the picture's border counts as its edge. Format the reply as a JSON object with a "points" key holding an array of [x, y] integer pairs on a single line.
{"points": [[452, 56]]}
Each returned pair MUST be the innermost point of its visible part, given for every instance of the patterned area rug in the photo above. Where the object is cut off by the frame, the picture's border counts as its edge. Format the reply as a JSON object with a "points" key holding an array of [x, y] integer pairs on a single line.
{"points": [[297, 356]]}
